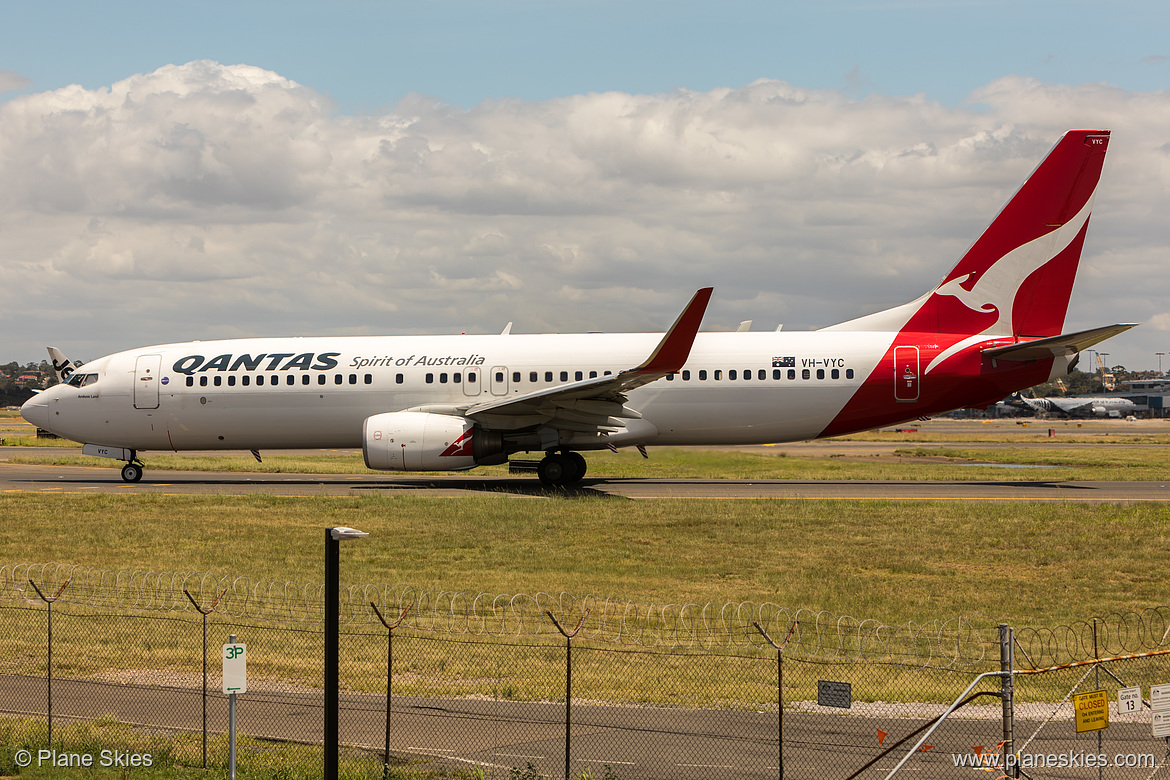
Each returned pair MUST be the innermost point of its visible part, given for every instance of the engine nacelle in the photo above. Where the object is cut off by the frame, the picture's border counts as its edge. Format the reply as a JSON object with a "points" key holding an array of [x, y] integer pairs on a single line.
{"points": [[424, 441]]}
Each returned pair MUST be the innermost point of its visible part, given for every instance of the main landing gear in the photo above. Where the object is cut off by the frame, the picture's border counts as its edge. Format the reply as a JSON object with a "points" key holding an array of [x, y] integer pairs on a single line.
{"points": [[132, 471], [561, 468]]}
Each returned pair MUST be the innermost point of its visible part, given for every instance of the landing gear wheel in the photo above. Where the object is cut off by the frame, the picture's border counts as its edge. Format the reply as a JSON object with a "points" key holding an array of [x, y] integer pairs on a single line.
{"points": [[579, 465], [131, 472], [552, 470], [562, 468]]}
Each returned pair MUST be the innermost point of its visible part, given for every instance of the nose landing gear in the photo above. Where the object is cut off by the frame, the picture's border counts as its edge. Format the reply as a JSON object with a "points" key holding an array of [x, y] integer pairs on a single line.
{"points": [[561, 468], [132, 471]]}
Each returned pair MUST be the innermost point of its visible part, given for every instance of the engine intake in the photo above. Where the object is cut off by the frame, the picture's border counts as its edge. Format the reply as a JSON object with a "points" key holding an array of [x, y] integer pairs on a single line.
{"points": [[424, 441]]}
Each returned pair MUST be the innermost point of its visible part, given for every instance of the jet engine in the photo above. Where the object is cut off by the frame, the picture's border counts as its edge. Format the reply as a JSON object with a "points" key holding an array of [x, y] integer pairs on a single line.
{"points": [[425, 441]]}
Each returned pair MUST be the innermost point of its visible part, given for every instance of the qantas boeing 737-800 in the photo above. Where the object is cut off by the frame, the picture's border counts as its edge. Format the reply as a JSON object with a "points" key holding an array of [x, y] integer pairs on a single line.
{"points": [[991, 327]]}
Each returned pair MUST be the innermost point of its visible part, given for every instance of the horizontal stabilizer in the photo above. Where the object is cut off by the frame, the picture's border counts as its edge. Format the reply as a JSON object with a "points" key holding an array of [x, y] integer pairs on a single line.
{"points": [[1057, 346]]}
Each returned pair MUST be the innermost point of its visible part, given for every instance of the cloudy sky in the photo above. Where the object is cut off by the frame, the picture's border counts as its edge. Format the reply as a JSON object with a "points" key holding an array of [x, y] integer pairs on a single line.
{"points": [[437, 166]]}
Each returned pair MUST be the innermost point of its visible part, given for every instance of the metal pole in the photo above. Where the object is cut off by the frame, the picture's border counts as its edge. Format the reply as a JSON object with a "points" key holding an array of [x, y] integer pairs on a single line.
{"points": [[389, 674], [332, 651], [1097, 667], [204, 613], [1007, 691], [779, 688], [50, 601], [231, 726], [568, 677], [568, 698]]}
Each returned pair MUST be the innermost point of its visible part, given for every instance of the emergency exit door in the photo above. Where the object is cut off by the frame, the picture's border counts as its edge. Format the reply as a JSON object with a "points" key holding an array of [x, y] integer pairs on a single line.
{"points": [[146, 371], [906, 373]]}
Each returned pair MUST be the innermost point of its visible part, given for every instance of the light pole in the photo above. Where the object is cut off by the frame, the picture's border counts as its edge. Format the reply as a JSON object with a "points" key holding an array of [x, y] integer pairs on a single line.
{"points": [[1101, 358], [1160, 354], [333, 537]]}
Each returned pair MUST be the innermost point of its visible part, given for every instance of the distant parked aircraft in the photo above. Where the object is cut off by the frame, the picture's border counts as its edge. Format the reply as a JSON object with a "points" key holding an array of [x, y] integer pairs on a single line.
{"points": [[1077, 406]]}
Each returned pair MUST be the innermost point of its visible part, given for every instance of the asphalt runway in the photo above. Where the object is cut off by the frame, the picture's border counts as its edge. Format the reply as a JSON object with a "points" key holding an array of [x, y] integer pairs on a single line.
{"points": [[20, 478]]}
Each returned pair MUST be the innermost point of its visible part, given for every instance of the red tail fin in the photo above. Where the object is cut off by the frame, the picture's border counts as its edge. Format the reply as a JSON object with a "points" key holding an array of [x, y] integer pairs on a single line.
{"points": [[1024, 264]]}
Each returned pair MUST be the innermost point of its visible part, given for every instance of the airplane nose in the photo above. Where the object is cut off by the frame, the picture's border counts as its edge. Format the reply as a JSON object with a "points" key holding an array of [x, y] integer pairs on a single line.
{"points": [[36, 411]]}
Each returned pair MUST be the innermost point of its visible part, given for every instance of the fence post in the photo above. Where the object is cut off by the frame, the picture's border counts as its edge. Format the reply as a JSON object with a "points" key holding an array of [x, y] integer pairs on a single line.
{"points": [[779, 687], [568, 678], [50, 601], [1007, 691], [389, 675], [204, 613]]}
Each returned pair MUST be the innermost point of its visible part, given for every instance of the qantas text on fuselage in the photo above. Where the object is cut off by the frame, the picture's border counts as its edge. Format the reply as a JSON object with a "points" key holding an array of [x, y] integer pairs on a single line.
{"points": [[992, 326]]}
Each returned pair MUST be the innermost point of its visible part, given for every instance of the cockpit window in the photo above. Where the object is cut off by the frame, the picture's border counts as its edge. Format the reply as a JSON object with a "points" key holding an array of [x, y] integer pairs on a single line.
{"points": [[81, 380]]}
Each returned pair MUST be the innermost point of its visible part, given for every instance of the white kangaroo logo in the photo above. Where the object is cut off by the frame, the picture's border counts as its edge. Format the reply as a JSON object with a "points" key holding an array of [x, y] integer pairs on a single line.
{"points": [[995, 288]]}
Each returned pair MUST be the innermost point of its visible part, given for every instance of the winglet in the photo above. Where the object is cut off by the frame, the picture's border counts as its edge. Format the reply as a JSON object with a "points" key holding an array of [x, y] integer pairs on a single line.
{"points": [[675, 347]]}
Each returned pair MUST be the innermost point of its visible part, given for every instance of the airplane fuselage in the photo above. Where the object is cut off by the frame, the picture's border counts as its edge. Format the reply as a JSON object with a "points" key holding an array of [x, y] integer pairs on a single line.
{"points": [[735, 388]]}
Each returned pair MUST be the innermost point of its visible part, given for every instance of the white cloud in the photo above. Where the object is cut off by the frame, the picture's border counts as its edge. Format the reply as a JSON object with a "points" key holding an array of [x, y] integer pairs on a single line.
{"points": [[205, 200], [10, 81]]}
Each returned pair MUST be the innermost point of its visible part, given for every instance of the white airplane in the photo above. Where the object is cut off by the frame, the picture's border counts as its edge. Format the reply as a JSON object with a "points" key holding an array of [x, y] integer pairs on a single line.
{"points": [[1078, 406], [991, 327]]}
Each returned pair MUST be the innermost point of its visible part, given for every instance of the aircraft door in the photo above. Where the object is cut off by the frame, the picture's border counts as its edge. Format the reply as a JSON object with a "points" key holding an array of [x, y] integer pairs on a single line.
{"points": [[906, 373], [499, 380], [146, 379], [471, 381]]}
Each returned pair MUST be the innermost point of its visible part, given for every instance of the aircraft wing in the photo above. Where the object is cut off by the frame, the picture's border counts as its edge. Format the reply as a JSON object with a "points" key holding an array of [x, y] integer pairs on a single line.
{"points": [[596, 404], [1057, 346]]}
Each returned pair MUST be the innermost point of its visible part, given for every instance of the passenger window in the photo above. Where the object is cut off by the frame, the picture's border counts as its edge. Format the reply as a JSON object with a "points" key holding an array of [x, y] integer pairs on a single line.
{"points": [[836, 374], [820, 373], [430, 379], [399, 379], [290, 380], [732, 374], [336, 379], [592, 374], [548, 376], [718, 374], [849, 373], [792, 373], [533, 376], [515, 377], [443, 378], [320, 379], [607, 373], [702, 375], [471, 377], [686, 375], [217, 381], [762, 375], [499, 376], [805, 374], [670, 377], [776, 373], [305, 379], [368, 379], [190, 381], [578, 376], [457, 378], [246, 380], [203, 381], [353, 379], [564, 376], [260, 381]]}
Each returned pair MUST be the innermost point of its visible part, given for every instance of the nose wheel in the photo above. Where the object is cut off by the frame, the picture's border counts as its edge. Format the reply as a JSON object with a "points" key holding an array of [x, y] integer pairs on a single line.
{"points": [[561, 468], [132, 471]]}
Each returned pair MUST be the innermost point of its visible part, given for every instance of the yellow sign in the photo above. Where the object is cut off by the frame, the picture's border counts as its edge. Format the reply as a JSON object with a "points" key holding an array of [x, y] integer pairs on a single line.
{"points": [[1091, 710]]}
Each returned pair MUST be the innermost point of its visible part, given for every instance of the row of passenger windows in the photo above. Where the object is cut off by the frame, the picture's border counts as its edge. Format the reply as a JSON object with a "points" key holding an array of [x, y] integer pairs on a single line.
{"points": [[762, 374], [274, 380], [701, 375]]}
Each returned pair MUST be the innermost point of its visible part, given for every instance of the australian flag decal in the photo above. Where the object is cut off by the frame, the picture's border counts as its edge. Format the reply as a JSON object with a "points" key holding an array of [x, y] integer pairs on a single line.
{"points": [[784, 362]]}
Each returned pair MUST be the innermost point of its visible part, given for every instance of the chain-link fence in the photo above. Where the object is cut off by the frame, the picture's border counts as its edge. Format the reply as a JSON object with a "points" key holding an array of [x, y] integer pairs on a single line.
{"points": [[505, 686]]}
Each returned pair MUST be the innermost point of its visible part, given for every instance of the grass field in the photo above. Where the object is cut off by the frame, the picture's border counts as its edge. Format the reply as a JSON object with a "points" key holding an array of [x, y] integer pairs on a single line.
{"points": [[891, 561]]}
